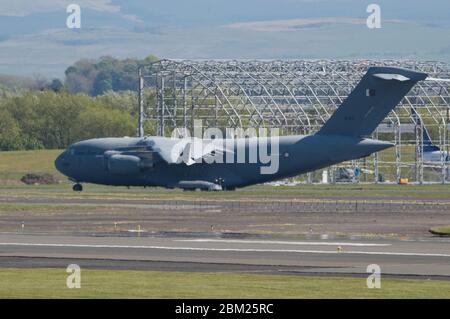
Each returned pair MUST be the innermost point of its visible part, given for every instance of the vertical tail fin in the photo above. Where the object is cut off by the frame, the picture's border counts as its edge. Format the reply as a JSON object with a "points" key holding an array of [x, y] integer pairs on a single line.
{"points": [[378, 92]]}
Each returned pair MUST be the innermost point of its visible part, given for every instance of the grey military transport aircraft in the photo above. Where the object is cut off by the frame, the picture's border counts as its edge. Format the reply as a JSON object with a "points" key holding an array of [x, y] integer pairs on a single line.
{"points": [[178, 163]]}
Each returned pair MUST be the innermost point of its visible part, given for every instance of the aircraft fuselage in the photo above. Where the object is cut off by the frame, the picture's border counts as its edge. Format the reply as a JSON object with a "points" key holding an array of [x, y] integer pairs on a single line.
{"points": [[88, 161]]}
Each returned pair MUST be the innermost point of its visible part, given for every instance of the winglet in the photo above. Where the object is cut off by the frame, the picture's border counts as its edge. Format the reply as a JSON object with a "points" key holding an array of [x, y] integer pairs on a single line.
{"points": [[395, 73]]}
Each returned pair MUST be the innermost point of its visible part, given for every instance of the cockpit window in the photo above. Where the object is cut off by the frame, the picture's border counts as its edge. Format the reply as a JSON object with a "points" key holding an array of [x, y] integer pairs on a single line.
{"points": [[79, 151]]}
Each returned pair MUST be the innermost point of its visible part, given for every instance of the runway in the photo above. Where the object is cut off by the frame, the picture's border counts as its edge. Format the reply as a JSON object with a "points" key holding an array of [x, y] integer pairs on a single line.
{"points": [[415, 258]]}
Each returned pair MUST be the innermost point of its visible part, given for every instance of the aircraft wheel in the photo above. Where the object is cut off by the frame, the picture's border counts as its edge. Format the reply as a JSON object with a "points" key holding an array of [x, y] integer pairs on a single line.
{"points": [[77, 188]]}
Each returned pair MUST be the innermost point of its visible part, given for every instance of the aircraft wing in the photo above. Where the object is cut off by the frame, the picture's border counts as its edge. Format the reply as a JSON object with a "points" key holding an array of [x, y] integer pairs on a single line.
{"points": [[208, 150], [188, 151]]}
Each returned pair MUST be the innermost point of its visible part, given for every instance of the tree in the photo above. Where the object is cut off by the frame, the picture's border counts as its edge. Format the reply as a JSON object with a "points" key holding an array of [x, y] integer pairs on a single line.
{"points": [[10, 134], [56, 85], [95, 77], [102, 83], [48, 119]]}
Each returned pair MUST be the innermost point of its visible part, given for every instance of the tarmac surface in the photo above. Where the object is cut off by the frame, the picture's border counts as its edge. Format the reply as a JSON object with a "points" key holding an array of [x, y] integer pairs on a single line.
{"points": [[350, 216], [429, 258], [304, 236]]}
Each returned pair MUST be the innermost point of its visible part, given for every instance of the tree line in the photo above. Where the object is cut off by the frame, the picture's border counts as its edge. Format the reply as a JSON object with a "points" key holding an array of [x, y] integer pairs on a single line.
{"points": [[95, 77], [54, 120], [97, 98]]}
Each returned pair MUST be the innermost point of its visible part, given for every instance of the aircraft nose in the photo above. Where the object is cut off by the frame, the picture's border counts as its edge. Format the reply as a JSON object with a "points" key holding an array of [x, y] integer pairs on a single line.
{"points": [[61, 163]]}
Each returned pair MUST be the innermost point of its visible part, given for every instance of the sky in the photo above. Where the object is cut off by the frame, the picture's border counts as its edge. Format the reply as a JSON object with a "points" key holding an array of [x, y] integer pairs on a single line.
{"points": [[34, 38]]}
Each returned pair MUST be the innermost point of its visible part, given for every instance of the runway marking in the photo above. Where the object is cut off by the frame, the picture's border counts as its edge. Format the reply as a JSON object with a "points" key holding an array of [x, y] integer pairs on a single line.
{"points": [[227, 249], [303, 243]]}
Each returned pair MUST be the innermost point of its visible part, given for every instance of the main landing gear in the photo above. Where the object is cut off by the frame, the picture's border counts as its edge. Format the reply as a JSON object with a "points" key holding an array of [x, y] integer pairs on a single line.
{"points": [[77, 187]]}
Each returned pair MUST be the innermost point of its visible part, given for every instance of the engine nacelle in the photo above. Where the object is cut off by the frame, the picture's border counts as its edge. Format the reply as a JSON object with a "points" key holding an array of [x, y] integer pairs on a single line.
{"points": [[124, 164]]}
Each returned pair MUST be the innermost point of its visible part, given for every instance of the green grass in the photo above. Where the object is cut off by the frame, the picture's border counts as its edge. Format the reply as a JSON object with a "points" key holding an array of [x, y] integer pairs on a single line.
{"points": [[51, 283], [260, 192], [442, 230], [32, 207], [13, 165]]}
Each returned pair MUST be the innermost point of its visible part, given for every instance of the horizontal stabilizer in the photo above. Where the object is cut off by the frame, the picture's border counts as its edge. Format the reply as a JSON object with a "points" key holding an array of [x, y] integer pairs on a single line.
{"points": [[437, 79], [428, 145]]}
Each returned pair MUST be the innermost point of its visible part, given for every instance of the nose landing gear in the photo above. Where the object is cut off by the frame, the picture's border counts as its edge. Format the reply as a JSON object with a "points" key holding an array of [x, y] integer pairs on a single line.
{"points": [[77, 187]]}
